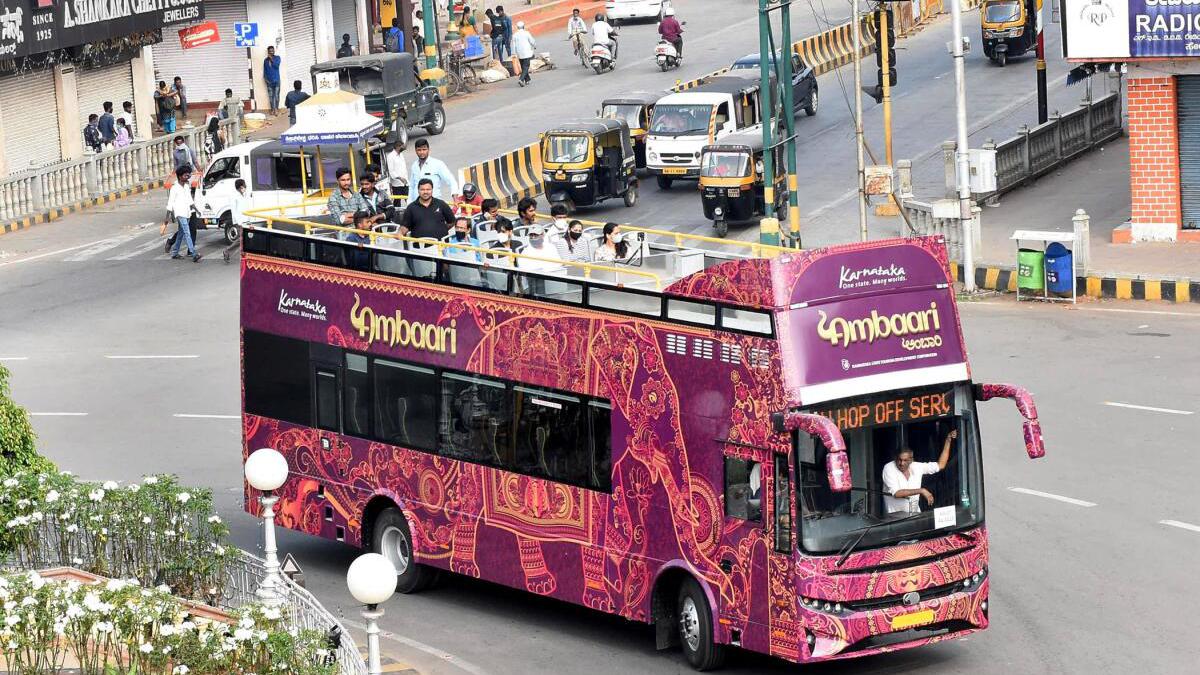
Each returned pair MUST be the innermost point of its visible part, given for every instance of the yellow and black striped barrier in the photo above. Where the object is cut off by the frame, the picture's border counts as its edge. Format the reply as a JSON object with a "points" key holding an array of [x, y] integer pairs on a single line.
{"points": [[1180, 290], [510, 177]]}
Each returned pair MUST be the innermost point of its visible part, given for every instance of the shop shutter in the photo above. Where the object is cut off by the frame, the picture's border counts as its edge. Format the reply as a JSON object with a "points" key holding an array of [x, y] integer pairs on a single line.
{"points": [[208, 70], [299, 48], [94, 87], [345, 20], [1188, 97], [29, 120]]}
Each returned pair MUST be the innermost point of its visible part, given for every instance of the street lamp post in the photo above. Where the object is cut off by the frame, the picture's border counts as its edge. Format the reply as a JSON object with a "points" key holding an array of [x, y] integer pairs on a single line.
{"points": [[267, 470], [962, 160], [372, 580]]}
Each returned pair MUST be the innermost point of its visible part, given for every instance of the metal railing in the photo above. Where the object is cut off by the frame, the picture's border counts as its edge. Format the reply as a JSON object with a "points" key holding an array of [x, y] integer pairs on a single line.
{"points": [[96, 174]]}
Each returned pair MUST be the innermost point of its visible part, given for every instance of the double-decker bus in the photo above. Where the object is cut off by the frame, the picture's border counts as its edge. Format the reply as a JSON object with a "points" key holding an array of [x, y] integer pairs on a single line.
{"points": [[694, 439]]}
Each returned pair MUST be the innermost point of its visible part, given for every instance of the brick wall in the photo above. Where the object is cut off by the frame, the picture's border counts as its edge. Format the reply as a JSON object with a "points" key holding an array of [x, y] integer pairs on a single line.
{"points": [[1153, 150]]}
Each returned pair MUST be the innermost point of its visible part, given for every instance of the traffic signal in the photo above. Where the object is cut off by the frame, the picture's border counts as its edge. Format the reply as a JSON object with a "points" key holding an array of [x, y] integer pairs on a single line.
{"points": [[885, 43]]}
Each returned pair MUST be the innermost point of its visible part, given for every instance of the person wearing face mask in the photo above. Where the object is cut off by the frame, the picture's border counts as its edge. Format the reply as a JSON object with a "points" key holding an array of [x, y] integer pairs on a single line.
{"points": [[557, 231], [539, 248], [462, 234], [505, 242], [572, 247], [613, 247]]}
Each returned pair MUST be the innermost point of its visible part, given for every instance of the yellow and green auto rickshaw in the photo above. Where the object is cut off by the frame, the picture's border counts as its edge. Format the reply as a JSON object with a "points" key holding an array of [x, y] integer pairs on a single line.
{"points": [[1009, 28], [732, 181], [637, 109], [588, 161]]}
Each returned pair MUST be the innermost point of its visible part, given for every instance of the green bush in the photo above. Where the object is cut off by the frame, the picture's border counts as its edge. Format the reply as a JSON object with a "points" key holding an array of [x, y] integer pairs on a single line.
{"points": [[18, 446]]}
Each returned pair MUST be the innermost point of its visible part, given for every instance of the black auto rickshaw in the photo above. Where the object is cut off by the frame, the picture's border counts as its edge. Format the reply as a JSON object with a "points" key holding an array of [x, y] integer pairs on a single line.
{"points": [[637, 109], [732, 182], [588, 161], [392, 89], [1009, 28]]}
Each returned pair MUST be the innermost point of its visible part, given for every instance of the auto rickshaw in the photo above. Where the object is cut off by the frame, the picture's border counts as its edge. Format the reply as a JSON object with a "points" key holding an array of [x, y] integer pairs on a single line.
{"points": [[392, 89], [1009, 28], [732, 181], [588, 161], [637, 109]]}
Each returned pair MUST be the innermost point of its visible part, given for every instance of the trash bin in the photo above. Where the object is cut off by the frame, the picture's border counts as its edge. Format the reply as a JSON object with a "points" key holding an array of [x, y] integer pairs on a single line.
{"points": [[1059, 278], [1030, 269]]}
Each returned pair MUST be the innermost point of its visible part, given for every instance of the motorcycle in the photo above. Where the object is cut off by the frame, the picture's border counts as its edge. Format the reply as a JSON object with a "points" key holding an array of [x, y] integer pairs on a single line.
{"points": [[666, 56], [603, 58]]}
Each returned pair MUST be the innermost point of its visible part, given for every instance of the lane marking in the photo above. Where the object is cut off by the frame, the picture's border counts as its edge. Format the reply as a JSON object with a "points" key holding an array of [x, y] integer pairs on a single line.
{"points": [[144, 248], [44, 255], [14, 358], [58, 414], [1170, 411], [207, 417], [151, 356], [1180, 525], [1047, 495], [102, 246], [456, 661]]}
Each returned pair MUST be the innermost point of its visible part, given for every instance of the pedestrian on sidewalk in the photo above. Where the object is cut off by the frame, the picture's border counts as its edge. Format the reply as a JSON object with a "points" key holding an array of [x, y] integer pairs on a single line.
{"points": [[130, 118], [180, 206], [345, 49], [183, 156], [92, 138], [294, 98], [122, 139], [418, 21], [231, 107], [181, 93], [505, 24], [271, 78], [523, 46], [493, 32], [108, 124], [344, 202], [444, 185], [167, 100], [397, 169], [214, 136], [466, 24], [393, 40]]}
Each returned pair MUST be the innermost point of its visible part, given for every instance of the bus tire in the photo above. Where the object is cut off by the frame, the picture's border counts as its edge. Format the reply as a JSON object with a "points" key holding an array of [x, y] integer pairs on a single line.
{"points": [[391, 537], [695, 626]]}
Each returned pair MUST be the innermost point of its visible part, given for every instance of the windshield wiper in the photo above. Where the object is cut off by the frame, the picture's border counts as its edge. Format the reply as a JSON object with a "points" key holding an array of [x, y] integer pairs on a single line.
{"points": [[847, 550]]}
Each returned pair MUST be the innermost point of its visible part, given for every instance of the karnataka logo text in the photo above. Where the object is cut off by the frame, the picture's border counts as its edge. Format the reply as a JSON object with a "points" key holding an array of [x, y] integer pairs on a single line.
{"points": [[398, 331], [879, 326]]}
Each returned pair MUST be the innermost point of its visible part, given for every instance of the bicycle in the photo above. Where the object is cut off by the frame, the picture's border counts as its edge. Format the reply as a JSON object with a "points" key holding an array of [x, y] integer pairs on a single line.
{"points": [[581, 50], [460, 75]]}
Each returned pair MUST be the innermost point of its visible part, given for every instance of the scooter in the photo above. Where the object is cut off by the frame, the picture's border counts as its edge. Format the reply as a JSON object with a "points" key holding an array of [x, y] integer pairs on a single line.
{"points": [[602, 58], [666, 55]]}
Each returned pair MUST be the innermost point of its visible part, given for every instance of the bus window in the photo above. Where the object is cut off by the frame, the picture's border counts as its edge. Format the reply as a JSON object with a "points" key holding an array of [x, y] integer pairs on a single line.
{"points": [[552, 436], [276, 377], [600, 421], [327, 400], [747, 320], [743, 489], [478, 419], [356, 407], [406, 405]]}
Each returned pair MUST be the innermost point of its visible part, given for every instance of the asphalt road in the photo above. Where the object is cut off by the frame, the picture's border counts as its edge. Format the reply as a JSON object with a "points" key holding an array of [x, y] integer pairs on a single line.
{"points": [[129, 362]]}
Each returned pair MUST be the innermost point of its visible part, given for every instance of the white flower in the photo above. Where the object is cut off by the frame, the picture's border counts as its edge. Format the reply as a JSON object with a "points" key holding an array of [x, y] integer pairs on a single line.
{"points": [[92, 602], [150, 480], [243, 634], [180, 670], [220, 550], [110, 485], [72, 528], [246, 622], [214, 518], [115, 585], [134, 487], [96, 495], [145, 648], [104, 627], [169, 533], [65, 473], [145, 520], [23, 503], [163, 588], [10, 482], [52, 496], [36, 516], [183, 497], [272, 613], [166, 630], [12, 620], [74, 611]]}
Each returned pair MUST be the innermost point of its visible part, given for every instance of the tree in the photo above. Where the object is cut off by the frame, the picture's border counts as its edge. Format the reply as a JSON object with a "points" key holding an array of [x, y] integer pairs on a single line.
{"points": [[18, 442]]}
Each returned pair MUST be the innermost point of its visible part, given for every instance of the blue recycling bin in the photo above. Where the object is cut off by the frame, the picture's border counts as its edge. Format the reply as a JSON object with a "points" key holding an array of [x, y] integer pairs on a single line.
{"points": [[1059, 277]]}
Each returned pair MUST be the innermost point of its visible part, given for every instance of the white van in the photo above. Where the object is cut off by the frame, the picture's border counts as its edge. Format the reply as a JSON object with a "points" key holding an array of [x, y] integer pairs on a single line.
{"points": [[272, 174], [619, 10], [685, 122]]}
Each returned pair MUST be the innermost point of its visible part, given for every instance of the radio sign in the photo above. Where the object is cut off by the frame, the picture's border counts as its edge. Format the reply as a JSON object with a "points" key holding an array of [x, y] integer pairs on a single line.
{"points": [[891, 410]]}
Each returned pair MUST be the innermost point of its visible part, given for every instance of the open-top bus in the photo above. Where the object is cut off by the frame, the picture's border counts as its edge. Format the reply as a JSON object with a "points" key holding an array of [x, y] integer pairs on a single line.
{"points": [[693, 438]]}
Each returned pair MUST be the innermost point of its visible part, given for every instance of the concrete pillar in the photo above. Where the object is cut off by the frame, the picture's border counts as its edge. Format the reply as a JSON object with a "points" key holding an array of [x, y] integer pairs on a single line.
{"points": [[268, 14], [323, 32], [948, 160], [3, 156], [143, 93], [365, 31], [70, 134], [1081, 223]]}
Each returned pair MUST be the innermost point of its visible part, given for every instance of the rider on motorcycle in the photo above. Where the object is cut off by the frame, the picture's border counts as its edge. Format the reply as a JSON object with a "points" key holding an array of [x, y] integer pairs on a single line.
{"points": [[671, 31], [604, 34]]}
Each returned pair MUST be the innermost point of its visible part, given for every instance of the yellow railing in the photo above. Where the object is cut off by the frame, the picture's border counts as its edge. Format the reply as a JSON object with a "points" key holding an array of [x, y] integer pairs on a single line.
{"points": [[273, 214]]}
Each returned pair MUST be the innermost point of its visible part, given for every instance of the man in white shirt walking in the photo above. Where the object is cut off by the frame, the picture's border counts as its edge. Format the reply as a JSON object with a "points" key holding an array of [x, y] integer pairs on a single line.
{"points": [[902, 478], [179, 205], [523, 46], [445, 187], [397, 174]]}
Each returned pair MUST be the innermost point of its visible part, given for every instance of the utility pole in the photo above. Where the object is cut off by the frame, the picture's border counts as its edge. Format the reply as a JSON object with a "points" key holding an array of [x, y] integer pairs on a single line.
{"points": [[962, 161], [1043, 115], [768, 110], [777, 108], [858, 125], [885, 51], [789, 145]]}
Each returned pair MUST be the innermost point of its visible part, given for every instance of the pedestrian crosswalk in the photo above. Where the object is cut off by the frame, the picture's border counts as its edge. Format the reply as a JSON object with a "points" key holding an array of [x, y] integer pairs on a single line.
{"points": [[141, 244]]}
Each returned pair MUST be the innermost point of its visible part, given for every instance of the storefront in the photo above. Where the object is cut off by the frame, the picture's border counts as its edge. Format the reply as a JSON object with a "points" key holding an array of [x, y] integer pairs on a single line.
{"points": [[29, 140], [207, 70]]}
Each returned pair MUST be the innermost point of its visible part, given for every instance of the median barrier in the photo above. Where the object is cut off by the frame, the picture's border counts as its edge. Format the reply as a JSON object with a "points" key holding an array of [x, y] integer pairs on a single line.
{"points": [[509, 177]]}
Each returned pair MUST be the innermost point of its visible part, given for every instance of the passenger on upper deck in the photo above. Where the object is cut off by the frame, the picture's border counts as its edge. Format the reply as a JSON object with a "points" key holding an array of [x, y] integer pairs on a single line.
{"points": [[557, 231], [573, 247], [613, 247], [538, 247], [527, 211], [505, 242], [378, 204], [902, 478], [428, 216], [489, 217], [462, 233], [345, 202]]}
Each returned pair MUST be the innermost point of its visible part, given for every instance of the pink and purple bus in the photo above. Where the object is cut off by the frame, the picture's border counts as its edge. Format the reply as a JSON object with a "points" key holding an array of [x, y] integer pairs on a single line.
{"points": [[689, 438]]}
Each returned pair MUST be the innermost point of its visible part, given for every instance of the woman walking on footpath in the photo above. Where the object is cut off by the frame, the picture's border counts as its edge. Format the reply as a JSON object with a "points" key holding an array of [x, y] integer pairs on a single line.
{"points": [[179, 206], [214, 136]]}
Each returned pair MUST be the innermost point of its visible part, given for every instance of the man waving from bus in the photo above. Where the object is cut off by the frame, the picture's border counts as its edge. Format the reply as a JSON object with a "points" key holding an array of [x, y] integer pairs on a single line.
{"points": [[902, 478]]}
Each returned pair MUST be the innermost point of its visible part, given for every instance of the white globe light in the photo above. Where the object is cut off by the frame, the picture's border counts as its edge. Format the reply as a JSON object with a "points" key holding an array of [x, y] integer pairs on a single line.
{"points": [[266, 469], [371, 578]]}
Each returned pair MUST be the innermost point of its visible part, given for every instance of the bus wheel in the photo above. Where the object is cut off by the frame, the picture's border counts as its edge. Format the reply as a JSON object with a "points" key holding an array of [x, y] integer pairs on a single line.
{"points": [[391, 537], [696, 628]]}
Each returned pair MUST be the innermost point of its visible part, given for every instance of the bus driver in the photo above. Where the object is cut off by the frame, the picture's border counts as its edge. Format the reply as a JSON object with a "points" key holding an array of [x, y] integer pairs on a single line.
{"points": [[902, 478]]}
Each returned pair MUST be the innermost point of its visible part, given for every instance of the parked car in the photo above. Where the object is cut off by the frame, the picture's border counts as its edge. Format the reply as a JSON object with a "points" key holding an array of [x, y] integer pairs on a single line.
{"points": [[624, 10], [804, 81], [391, 89]]}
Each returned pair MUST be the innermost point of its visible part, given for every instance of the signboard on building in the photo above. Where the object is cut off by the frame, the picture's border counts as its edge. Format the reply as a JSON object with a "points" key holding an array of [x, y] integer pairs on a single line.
{"points": [[1124, 30], [199, 35], [35, 26]]}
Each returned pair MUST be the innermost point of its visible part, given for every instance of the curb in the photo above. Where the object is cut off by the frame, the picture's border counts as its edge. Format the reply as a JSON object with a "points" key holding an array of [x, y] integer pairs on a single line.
{"points": [[1181, 290], [56, 213], [551, 16]]}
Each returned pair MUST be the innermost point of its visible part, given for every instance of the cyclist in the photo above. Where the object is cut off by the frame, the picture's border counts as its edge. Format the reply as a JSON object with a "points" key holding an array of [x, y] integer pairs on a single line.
{"points": [[576, 29]]}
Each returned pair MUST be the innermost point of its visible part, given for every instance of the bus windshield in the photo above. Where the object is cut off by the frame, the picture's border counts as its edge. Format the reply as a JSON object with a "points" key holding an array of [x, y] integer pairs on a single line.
{"points": [[875, 429], [681, 120]]}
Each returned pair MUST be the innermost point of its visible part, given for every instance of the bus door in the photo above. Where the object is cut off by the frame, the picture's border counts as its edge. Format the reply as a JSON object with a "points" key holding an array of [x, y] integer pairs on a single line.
{"points": [[750, 520]]}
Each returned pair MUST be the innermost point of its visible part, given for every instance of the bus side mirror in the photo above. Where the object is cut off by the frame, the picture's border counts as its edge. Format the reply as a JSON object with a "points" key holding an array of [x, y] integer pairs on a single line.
{"points": [[1034, 445], [837, 462]]}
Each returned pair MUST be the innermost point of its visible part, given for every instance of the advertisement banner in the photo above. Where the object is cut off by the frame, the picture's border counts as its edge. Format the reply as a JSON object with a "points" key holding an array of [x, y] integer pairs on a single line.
{"points": [[1123, 30], [199, 35]]}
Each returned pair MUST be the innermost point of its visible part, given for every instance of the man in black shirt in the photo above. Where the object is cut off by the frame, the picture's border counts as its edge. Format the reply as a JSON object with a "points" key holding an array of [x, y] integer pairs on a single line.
{"points": [[428, 216]]}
